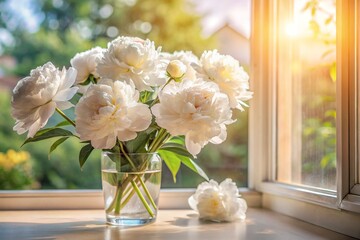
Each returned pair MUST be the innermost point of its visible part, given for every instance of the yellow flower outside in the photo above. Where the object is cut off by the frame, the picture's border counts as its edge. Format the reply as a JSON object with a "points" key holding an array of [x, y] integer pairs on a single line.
{"points": [[12, 158]]}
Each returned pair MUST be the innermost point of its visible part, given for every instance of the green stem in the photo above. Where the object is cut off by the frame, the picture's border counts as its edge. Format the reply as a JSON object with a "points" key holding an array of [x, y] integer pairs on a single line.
{"points": [[131, 194], [156, 140], [147, 192], [170, 79], [146, 205], [159, 140], [64, 116], [142, 184], [119, 189], [162, 137], [118, 195], [156, 100], [118, 200], [126, 156]]}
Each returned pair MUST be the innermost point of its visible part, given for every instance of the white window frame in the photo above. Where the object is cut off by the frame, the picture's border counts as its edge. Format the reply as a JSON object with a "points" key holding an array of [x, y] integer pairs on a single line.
{"points": [[263, 131], [93, 199], [318, 206], [348, 137]]}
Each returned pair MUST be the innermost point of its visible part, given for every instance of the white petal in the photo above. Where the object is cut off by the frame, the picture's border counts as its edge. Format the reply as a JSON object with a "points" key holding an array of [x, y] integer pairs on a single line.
{"points": [[229, 187], [108, 111], [64, 105], [70, 78], [104, 143], [221, 137], [140, 116], [193, 148], [34, 128], [193, 203], [126, 135], [66, 94]]}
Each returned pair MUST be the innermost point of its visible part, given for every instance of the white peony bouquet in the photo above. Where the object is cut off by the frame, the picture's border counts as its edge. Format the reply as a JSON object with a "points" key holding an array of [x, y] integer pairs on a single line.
{"points": [[132, 98]]}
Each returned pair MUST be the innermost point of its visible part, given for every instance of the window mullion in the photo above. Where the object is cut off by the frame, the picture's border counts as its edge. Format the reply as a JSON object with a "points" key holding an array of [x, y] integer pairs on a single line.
{"points": [[342, 106]]}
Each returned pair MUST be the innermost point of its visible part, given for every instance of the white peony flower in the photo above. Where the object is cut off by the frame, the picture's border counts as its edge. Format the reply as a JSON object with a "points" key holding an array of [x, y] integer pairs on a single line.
{"points": [[109, 111], [85, 63], [133, 59], [195, 109], [225, 71], [187, 57], [218, 202], [176, 69], [35, 97]]}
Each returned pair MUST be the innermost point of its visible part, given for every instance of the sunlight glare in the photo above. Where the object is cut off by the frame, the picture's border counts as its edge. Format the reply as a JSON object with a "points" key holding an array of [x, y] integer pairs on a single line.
{"points": [[291, 29]]}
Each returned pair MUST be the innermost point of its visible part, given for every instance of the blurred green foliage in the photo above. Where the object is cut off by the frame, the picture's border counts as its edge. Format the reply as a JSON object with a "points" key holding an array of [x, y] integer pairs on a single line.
{"points": [[319, 127], [71, 26], [319, 103]]}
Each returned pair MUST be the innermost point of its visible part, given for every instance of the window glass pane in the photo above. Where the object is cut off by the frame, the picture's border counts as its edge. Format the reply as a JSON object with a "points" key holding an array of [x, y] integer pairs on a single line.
{"points": [[35, 32], [306, 94]]}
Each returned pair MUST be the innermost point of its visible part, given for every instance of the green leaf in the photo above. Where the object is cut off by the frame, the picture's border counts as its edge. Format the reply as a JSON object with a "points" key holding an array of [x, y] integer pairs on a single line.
{"points": [[48, 133], [63, 123], [88, 80], [314, 27], [56, 144], [193, 166], [328, 20], [147, 97], [329, 160], [307, 6], [75, 99], [172, 161], [151, 129], [178, 140], [331, 113], [84, 154], [138, 144], [111, 178], [327, 53], [313, 11], [333, 72], [176, 148], [42, 131]]}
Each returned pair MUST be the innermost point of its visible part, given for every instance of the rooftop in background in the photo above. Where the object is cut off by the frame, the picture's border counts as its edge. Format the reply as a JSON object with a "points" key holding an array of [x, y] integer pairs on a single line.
{"points": [[7, 82], [233, 13]]}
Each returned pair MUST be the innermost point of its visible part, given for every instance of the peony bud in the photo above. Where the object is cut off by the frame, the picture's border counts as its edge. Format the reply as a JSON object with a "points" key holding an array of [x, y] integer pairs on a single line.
{"points": [[176, 69]]}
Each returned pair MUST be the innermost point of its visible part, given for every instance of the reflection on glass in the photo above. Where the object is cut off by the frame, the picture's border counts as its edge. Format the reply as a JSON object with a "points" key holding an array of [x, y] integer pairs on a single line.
{"points": [[306, 96]]}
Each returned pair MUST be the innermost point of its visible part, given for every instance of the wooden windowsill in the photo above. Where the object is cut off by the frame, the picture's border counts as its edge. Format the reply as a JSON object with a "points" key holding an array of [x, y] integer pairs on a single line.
{"points": [[171, 224]]}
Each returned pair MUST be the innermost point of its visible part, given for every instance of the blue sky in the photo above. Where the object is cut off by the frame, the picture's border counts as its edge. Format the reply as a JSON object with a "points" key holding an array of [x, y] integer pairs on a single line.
{"points": [[25, 10]]}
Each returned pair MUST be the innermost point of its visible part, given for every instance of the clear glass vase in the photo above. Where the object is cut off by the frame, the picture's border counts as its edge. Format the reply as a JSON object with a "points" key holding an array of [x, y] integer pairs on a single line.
{"points": [[131, 187]]}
